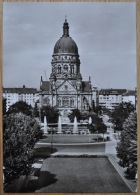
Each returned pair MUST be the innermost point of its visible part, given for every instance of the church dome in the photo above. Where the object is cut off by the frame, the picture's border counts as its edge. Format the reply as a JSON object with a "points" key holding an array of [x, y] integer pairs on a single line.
{"points": [[66, 44]]}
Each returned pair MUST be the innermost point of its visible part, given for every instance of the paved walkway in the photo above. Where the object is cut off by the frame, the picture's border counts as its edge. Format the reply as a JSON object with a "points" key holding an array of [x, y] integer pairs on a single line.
{"points": [[110, 151], [110, 146], [130, 183]]}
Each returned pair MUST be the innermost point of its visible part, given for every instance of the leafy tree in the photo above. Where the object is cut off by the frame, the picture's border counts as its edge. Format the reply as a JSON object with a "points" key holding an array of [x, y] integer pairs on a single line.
{"points": [[127, 147], [4, 106], [36, 110], [20, 133], [22, 107], [77, 113], [107, 111], [120, 113], [98, 110], [102, 128], [51, 114], [93, 106], [92, 128], [98, 124]]}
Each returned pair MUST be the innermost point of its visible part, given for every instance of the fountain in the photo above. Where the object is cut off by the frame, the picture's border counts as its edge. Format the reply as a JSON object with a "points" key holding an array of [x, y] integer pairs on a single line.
{"points": [[45, 125], [75, 127], [90, 120], [59, 126]]}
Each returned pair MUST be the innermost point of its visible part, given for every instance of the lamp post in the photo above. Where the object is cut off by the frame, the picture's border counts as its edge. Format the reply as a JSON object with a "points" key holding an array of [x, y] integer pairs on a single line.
{"points": [[51, 140]]}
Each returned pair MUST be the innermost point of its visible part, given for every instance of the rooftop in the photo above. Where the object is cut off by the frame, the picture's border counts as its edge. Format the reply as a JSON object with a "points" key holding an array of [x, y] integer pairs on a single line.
{"points": [[23, 90]]}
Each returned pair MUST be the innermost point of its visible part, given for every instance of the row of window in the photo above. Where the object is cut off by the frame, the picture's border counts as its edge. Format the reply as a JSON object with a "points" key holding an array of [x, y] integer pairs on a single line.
{"points": [[110, 97]]}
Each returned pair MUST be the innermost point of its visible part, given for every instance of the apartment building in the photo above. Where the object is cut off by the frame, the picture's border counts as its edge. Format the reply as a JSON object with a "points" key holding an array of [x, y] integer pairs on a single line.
{"points": [[129, 96], [13, 95], [110, 98]]}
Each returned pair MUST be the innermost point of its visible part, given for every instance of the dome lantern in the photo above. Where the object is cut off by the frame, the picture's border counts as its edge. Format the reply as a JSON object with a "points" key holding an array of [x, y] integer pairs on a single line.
{"points": [[65, 29]]}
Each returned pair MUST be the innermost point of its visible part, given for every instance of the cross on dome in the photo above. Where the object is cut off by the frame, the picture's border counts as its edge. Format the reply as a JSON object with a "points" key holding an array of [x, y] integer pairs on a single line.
{"points": [[66, 28]]}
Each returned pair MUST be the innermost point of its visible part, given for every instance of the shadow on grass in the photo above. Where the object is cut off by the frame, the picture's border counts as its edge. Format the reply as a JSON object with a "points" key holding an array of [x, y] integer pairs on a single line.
{"points": [[45, 179], [44, 136], [44, 152]]}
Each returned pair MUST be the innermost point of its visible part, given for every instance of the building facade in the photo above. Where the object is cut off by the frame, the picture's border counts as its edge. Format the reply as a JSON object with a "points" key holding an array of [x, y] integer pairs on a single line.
{"points": [[13, 95], [110, 98], [129, 96], [66, 89]]}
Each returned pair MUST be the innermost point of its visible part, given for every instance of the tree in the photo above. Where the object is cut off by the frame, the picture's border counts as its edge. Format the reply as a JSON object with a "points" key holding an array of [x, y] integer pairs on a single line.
{"points": [[36, 110], [75, 113], [93, 106], [92, 128], [20, 133], [51, 114], [97, 124], [120, 113], [127, 147], [98, 110], [102, 128], [4, 106], [22, 107]]}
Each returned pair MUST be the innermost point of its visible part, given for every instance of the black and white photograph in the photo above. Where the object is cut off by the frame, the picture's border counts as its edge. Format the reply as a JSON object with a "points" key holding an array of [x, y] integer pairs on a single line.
{"points": [[69, 97]]}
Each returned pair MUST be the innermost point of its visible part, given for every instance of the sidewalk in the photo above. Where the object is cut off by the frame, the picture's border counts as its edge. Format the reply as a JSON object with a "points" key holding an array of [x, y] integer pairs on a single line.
{"points": [[130, 183], [110, 147]]}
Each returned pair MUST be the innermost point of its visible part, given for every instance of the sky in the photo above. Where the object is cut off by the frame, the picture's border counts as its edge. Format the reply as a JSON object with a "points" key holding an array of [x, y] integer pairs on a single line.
{"points": [[105, 34]]}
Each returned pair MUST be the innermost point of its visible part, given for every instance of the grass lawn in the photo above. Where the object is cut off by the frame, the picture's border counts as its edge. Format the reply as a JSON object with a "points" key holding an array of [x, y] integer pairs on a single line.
{"points": [[79, 175], [43, 151]]}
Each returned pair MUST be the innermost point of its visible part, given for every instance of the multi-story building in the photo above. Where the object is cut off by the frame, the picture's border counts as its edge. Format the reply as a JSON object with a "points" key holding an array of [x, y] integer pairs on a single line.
{"points": [[129, 96], [110, 98], [66, 89], [13, 95]]}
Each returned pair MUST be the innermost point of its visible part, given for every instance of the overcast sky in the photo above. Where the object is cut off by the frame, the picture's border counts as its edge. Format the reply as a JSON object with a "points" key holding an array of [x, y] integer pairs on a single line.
{"points": [[105, 34]]}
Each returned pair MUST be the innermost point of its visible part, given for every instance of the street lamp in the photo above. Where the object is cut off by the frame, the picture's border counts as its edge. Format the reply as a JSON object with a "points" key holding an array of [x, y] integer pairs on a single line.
{"points": [[51, 140]]}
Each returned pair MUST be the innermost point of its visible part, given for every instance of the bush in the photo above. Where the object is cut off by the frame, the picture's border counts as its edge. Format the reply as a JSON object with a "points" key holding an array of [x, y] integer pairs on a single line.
{"points": [[131, 172], [127, 147]]}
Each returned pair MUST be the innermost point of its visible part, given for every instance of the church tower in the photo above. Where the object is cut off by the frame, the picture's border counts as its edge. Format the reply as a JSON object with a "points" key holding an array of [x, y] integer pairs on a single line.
{"points": [[66, 89], [65, 59]]}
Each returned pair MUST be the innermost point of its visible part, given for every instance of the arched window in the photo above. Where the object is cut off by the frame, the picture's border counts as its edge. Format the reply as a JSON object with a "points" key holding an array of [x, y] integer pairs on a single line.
{"points": [[65, 68], [65, 101], [72, 102], [85, 103], [59, 69], [72, 69], [59, 102]]}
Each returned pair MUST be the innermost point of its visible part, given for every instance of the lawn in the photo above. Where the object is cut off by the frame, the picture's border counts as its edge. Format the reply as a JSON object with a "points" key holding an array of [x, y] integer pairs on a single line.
{"points": [[43, 152], [79, 175]]}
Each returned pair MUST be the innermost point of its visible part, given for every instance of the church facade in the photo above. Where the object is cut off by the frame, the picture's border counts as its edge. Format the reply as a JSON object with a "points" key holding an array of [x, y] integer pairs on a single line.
{"points": [[66, 89]]}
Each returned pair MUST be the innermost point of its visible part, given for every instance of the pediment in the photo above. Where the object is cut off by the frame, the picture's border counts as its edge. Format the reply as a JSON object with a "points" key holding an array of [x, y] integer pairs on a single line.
{"points": [[66, 87]]}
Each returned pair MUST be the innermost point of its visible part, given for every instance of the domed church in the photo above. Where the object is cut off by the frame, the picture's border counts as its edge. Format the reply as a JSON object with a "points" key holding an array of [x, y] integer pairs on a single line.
{"points": [[66, 89]]}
